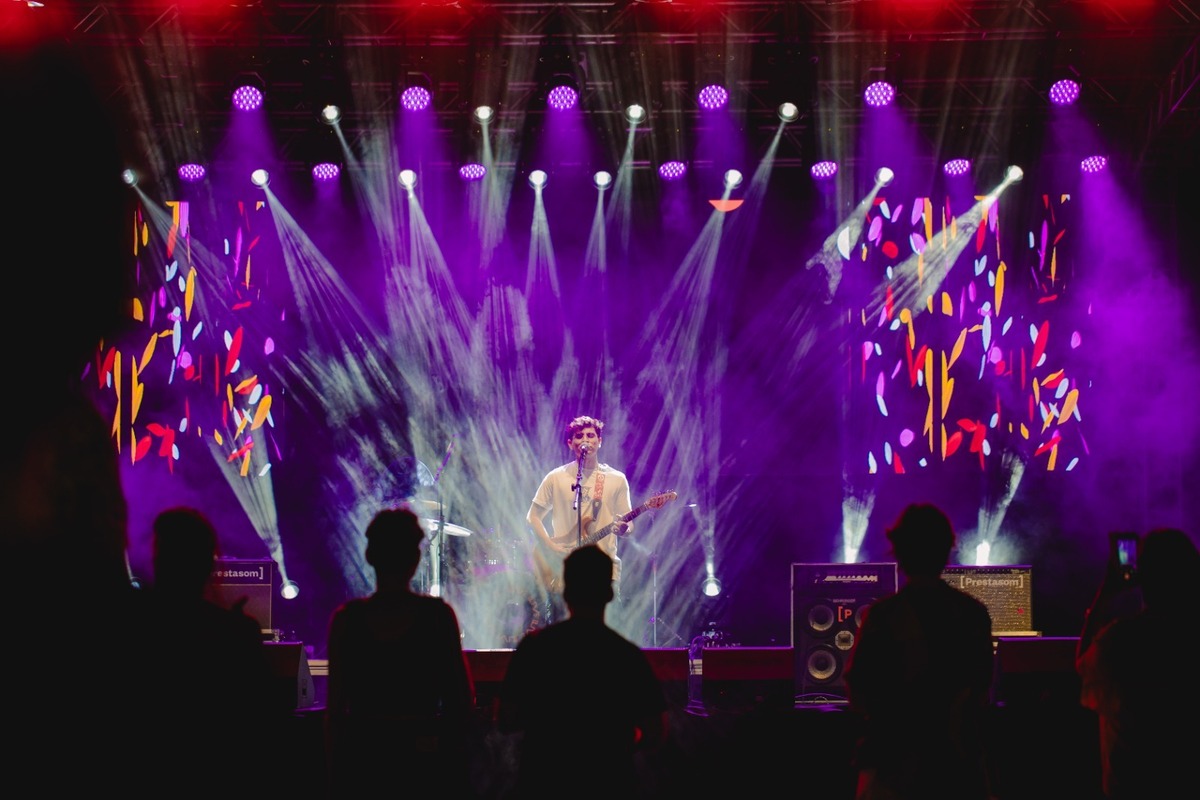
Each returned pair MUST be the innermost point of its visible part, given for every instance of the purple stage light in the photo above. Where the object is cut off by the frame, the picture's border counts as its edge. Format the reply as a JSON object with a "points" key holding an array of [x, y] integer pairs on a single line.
{"points": [[1093, 164], [247, 98], [671, 170], [1064, 92], [713, 97], [325, 171], [472, 172], [415, 98], [956, 166], [562, 98], [191, 172], [880, 93], [823, 170]]}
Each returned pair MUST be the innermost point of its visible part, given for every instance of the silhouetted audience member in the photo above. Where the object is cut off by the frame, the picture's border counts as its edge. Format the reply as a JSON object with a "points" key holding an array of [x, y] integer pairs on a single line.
{"points": [[215, 680], [919, 675], [583, 699], [1137, 672], [399, 697], [75, 666]]}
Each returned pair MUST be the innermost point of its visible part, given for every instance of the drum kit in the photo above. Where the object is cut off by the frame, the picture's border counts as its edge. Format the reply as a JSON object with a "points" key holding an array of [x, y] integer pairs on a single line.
{"points": [[482, 574]]}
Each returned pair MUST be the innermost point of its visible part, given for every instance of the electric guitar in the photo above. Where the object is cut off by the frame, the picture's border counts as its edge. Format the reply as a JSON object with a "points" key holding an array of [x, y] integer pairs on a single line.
{"points": [[591, 537], [551, 573]]}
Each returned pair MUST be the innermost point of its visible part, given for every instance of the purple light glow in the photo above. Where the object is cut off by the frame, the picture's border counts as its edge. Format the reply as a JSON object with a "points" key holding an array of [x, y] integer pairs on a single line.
{"points": [[713, 97], [671, 170], [956, 166], [879, 94], [326, 171], [1064, 92], [415, 98], [472, 172], [1093, 164], [562, 98], [247, 98], [191, 172], [823, 170]]}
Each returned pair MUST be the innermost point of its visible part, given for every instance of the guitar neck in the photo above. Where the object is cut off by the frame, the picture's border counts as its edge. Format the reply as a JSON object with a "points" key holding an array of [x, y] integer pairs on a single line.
{"points": [[596, 536]]}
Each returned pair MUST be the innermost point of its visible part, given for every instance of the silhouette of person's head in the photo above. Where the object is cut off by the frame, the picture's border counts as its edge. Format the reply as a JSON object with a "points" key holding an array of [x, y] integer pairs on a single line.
{"points": [[1168, 563], [394, 542], [587, 579], [922, 538], [185, 550]]}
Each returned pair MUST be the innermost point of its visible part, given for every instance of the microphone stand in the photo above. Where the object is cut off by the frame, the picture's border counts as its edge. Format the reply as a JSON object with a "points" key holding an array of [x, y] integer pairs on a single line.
{"points": [[578, 489], [439, 562]]}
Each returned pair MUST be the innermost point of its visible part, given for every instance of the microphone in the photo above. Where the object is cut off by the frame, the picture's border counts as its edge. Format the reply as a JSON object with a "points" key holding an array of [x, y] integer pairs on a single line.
{"points": [[583, 451]]}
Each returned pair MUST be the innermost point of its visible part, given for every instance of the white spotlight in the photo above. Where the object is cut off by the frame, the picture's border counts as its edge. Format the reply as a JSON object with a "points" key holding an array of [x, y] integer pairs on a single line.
{"points": [[711, 587], [788, 112], [634, 113], [602, 179], [884, 176], [331, 114], [484, 113], [260, 178], [1014, 174], [733, 178], [408, 179], [537, 178], [129, 177], [289, 590]]}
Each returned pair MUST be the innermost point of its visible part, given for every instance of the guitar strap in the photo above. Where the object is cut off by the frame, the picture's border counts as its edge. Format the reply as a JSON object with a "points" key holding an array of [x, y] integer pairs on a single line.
{"points": [[598, 489]]}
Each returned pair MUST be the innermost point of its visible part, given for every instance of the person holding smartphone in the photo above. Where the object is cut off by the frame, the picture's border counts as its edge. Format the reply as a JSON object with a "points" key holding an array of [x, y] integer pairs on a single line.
{"points": [[1135, 667]]}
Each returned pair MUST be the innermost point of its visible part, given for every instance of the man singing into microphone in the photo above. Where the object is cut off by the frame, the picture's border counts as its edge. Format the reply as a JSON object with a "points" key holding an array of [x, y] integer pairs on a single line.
{"points": [[584, 499]]}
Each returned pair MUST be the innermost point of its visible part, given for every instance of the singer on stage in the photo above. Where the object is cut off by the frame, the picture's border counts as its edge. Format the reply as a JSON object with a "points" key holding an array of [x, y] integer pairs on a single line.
{"points": [[581, 498]]}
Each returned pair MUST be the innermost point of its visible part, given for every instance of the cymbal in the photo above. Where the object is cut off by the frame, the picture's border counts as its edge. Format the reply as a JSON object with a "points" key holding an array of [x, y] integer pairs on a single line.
{"points": [[431, 525], [431, 506]]}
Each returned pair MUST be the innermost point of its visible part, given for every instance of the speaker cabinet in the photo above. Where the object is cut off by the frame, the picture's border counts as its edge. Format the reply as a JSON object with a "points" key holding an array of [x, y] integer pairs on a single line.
{"points": [[828, 602]]}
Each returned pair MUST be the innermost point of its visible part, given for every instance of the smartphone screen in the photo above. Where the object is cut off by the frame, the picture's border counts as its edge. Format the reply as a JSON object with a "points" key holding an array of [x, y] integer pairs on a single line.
{"points": [[1127, 551]]}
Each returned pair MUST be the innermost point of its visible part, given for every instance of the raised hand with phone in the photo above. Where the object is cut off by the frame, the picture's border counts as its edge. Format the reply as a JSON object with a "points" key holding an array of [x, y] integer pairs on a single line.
{"points": [[1136, 668]]}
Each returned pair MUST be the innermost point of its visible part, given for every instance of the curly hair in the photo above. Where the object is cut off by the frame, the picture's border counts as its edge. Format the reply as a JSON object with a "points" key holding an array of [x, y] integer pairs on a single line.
{"points": [[579, 423]]}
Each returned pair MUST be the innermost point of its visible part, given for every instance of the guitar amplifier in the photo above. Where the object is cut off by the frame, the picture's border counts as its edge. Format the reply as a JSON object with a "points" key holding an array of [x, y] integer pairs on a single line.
{"points": [[1007, 591], [251, 581]]}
